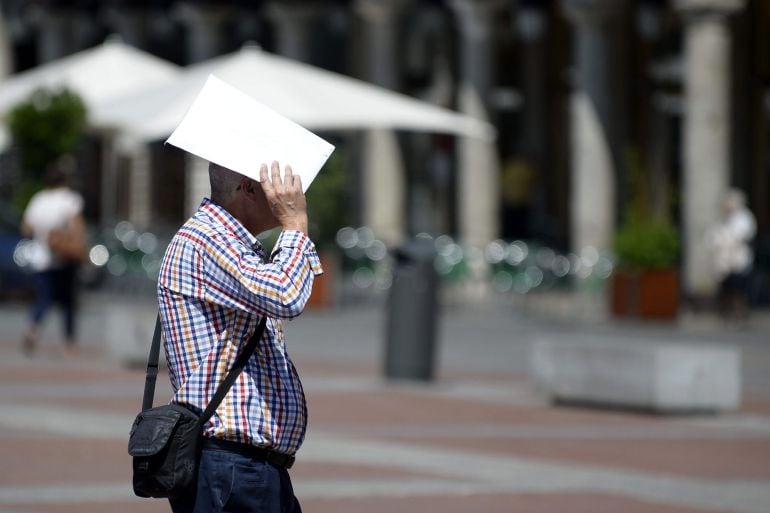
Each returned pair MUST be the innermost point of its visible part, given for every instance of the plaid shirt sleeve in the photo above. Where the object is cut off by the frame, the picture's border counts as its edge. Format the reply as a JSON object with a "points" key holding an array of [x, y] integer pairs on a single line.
{"points": [[234, 275]]}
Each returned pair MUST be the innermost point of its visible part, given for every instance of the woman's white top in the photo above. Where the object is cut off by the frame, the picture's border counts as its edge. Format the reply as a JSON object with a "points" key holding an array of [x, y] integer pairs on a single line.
{"points": [[731, 242], [47, 210]]}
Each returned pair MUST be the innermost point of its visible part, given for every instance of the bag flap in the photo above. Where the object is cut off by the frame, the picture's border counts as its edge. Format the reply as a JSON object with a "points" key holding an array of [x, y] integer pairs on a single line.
{"points": [[152, 430]]}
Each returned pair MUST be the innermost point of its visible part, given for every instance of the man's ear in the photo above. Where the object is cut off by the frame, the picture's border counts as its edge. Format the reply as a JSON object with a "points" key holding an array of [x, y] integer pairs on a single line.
{"points": [[247, 186]]}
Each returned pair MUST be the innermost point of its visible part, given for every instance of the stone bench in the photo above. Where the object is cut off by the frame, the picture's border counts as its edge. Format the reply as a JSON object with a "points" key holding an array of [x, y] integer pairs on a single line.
{"points": [[128, 326], [647, 375]]}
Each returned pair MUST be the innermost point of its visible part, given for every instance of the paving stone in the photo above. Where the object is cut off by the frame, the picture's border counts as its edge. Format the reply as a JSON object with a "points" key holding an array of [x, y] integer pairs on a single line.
{"points": [[737, 459], [497, 503], [472, 441]]}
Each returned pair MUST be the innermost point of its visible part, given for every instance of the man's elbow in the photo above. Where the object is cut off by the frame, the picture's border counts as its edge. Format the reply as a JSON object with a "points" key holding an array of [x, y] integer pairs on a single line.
{"points": [[293, 300], [293, 306]]}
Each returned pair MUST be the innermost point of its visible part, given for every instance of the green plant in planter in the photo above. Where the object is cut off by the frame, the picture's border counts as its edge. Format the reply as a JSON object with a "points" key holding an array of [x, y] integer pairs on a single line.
{"points": [[647, 248], [645, 284], [647, 243]]}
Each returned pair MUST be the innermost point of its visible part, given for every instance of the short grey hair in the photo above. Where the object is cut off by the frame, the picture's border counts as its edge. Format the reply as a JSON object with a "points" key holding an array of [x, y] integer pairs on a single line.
{"points": [[224, 183]]}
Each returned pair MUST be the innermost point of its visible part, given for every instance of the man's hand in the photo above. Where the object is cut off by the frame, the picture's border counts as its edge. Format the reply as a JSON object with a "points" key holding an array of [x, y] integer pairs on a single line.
{"points": [[285, 197]]}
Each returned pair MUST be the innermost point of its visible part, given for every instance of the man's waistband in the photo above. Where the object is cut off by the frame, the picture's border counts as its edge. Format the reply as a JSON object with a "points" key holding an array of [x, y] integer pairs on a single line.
{"points": [[277, 459]]}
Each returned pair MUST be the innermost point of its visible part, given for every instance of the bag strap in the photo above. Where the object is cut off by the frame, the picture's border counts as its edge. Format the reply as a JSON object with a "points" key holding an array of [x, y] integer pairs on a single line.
{"points": [[224, 386], [152, 368]]}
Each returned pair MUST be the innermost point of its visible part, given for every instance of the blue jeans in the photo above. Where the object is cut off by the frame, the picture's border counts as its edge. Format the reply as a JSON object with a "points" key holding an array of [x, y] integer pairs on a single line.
{"points": [[56, 286], [229, 482]]}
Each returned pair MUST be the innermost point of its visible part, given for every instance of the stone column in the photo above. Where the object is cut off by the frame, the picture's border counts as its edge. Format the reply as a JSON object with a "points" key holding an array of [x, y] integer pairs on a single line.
{"points": [[478, 182], [139, 161], [293, 27], [109, 179], [7, 64], [204, 29], [383, 172], [140, 208], [61, 30], [706, 141], [54, 27], [130, 23], [204, 41], [197, 185], [381, 40], [597, 120]]}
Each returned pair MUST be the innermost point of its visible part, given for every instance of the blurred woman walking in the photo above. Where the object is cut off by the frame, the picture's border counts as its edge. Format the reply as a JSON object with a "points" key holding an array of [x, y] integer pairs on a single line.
{"points": [[54, 220]]}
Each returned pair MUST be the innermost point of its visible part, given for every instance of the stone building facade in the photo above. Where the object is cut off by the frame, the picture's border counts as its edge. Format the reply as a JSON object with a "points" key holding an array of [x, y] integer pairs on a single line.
{"points": [[590, 98]]}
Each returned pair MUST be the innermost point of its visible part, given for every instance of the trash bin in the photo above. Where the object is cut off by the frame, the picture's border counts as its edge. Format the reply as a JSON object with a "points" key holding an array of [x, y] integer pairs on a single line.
{"points": [[412, 309]]}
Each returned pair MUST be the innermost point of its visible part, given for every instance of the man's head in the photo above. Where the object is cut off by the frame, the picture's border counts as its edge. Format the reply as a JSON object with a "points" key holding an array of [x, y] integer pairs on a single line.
{"points": [[242, 197], [224, 183]]}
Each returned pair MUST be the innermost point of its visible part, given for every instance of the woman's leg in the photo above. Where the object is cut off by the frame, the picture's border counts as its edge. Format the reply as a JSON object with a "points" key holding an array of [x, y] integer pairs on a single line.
{"points": [[43, 300], [66, 296]]}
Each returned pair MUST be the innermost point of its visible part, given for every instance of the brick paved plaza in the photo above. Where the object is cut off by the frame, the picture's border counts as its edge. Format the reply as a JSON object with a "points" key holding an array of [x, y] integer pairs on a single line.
{"points": [[475, 440]]}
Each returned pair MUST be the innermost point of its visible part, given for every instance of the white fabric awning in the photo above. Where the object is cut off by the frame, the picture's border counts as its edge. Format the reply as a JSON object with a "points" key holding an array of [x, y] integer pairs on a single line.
{"points": [[98, 75], [315, 98]]}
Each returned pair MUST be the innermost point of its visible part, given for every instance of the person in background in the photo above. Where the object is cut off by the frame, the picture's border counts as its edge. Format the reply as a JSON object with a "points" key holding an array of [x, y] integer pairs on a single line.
{"points": [[53, 218], [733, 256]]}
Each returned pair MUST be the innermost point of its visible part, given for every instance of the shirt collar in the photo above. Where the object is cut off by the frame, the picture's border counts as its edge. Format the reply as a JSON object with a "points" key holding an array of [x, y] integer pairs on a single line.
{"points": [[221, 217]]}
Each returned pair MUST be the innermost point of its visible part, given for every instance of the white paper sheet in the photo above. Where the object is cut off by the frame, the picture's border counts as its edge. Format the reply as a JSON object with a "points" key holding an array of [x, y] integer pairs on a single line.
{"points": [[230, 128]]}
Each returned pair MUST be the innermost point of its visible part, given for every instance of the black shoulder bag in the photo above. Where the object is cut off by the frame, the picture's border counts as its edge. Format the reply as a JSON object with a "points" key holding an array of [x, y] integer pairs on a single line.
{"points": [[165, 441]]}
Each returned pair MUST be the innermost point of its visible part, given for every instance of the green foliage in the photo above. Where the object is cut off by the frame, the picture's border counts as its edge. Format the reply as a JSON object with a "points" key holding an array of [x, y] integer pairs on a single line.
{"points": [[328, 208], [644, 241], [647, 243], [24, 192], [45, 127]]}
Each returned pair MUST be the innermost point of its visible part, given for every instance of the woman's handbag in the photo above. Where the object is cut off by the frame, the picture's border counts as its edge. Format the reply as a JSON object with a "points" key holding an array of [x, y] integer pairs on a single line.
{"points": [[68, 242], [165, 441]]}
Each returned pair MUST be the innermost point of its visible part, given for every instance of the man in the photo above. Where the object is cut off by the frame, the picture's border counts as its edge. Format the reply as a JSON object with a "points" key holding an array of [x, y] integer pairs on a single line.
{"points": [[216, 283]]}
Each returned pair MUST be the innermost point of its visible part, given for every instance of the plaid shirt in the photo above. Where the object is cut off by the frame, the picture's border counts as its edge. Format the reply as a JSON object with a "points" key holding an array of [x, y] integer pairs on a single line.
{"points": [[214, 286]]}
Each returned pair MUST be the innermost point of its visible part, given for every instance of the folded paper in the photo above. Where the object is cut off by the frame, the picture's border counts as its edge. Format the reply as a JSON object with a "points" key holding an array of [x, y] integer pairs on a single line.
{"points": [[228, 127]]}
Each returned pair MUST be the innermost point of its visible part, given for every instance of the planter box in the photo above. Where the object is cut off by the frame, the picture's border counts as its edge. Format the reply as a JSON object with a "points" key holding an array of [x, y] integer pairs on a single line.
{"points": [[652, 294], [323, 294]]}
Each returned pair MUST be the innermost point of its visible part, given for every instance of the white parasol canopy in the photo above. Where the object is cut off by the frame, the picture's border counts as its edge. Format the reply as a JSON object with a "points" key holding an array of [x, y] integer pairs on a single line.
{"points": [[98, 75], [310, 96]]}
